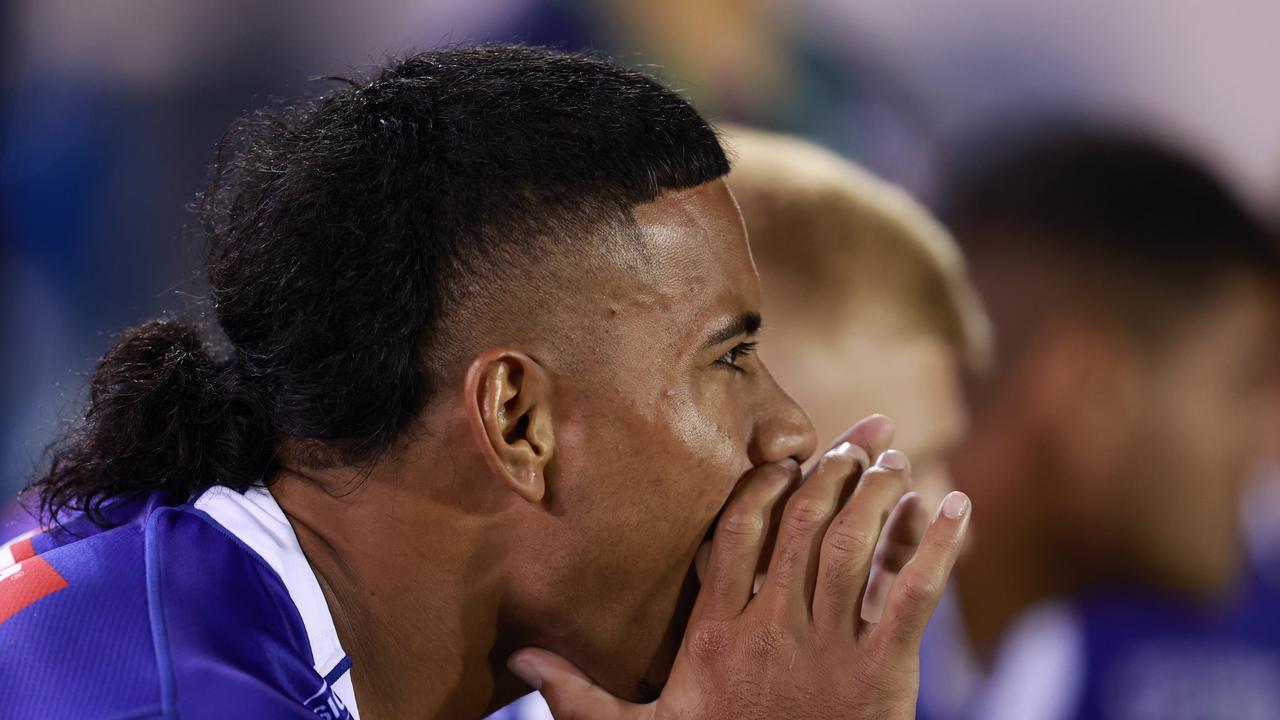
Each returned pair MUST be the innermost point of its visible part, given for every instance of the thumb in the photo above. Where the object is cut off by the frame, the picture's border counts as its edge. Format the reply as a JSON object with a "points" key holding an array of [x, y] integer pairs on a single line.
{"points": [[568, 692]]}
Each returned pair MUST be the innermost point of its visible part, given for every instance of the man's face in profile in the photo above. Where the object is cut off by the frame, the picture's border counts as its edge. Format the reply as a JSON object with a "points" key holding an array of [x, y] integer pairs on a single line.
{"points": [[1202, 420], [665, 408]]}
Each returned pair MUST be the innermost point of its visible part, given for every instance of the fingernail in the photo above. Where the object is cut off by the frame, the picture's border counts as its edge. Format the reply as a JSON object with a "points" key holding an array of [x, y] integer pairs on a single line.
{"points": [[892, 460], [955, 505], [842, 449], [525, 670]]}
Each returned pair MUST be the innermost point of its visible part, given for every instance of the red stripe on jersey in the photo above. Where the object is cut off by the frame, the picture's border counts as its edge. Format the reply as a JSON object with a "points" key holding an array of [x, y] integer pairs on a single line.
{"points": [[25, 583], [22, 550]]}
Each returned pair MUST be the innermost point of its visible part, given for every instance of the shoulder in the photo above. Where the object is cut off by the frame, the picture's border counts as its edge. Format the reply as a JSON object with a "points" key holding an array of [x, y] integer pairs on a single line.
{"points": [[73, 622], [165, 613], [223, 624]]}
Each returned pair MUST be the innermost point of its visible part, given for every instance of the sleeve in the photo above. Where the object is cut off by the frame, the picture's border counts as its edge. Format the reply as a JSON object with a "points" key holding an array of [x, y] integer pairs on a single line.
{"points": [[229, 644]]}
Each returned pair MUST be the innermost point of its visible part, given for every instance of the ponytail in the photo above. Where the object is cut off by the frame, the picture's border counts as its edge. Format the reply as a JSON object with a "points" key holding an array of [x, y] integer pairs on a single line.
{"points": [[163, 416]]}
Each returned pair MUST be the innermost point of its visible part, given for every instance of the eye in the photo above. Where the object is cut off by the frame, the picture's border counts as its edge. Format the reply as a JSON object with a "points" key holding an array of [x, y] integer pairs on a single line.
{"points": [[735, 354]]}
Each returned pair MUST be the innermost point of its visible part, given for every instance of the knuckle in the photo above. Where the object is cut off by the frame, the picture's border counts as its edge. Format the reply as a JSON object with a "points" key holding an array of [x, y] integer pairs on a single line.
{"points": [[848, 538], [883, 479], [769, 642], [918, 591], [740, 527], [806, 514], [708, 642], [839, 462]]}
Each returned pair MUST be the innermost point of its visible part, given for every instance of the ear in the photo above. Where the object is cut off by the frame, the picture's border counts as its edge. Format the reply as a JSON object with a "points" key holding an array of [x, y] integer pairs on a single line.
{"points": [[509, 410], [1085, 383]]}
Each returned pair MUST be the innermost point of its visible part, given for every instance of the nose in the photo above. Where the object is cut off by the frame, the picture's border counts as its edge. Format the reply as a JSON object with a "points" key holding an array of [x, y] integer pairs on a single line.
{"points": [[782, 430]]}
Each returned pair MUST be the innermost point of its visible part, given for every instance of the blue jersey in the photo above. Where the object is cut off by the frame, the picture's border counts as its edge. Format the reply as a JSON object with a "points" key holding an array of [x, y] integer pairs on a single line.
{"points": [[205, 609], [1115, 655], [1153, 658]]}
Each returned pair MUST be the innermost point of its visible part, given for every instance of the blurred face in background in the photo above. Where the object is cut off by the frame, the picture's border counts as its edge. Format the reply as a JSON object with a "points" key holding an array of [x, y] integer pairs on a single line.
{"points": [[1131, 295], [1132, 451], [1191, 431]]}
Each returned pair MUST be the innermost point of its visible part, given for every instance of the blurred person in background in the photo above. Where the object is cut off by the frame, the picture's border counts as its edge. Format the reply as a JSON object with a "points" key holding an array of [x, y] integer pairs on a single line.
{"points": [[871, 309], [1135, 306]]}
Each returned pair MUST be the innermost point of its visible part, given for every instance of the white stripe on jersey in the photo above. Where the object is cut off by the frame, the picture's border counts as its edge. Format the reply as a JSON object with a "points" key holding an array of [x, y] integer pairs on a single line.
{"points": [[258, 521], [1038, 671], [531, 707]]}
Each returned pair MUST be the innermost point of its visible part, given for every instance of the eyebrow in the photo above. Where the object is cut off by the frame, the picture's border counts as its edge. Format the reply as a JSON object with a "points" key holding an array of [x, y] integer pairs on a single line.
{"points": [[745, 324]]}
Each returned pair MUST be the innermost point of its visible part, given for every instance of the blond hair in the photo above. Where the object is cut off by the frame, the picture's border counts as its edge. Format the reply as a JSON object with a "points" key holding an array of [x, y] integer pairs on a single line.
{"points": [[817, 221]]}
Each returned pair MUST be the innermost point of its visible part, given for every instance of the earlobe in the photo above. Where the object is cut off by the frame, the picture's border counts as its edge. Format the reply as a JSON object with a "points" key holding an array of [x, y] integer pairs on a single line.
{"points": [[509, 411]]}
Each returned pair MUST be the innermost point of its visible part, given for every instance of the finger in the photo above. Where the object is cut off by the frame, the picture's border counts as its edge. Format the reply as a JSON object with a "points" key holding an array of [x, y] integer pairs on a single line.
{"points": [[919, 586], [874, 434], [898, 544], [850, 543], [700, 560], [700, 566], [738, 540], [568, 692], [794, 563]]}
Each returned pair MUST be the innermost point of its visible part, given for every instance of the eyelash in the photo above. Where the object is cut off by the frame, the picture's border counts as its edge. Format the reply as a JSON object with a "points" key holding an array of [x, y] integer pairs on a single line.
{"points": [[736, 353]]}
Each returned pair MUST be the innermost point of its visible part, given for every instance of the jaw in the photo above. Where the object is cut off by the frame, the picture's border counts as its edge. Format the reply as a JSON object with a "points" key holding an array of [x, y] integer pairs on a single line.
{"points": [[662, 624], [650, 684]]}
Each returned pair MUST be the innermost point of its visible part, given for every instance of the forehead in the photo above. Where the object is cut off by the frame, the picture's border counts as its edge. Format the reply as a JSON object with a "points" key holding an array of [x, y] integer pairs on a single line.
{"points": [[696, 261]]}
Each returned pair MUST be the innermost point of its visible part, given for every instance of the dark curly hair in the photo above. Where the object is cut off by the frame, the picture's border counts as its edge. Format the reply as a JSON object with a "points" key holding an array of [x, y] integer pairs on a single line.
{"points": [[343, 232]]}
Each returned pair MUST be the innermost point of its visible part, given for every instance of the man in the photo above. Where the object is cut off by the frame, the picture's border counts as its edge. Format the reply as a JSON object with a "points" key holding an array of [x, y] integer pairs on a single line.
{"points": [[488, 387], [1135, 302], [870, 307]]}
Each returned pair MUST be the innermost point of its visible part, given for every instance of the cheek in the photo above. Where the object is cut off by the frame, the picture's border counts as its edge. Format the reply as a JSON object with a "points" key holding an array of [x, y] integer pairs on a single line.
{"points": [[1195, 464], [698, 452], [647, 478], [1214, 435]]}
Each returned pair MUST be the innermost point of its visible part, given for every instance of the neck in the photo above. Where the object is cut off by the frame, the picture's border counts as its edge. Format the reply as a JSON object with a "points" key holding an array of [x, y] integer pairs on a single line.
{"points": [[414, 595]]}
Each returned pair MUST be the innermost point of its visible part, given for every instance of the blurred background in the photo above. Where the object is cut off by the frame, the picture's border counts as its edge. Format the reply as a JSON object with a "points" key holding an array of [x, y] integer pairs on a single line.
{"points": [[110, 113]]}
